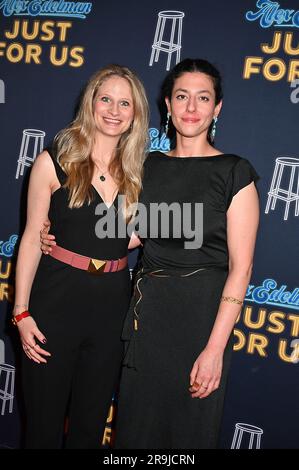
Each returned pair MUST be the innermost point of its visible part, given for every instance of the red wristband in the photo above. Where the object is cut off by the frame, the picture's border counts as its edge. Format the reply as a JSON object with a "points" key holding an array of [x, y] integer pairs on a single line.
{"points": [[16, 318]]}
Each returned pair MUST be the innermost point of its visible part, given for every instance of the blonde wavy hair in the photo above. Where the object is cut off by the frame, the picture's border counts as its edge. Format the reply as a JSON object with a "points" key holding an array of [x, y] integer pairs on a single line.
{"points": [[74, 144]]}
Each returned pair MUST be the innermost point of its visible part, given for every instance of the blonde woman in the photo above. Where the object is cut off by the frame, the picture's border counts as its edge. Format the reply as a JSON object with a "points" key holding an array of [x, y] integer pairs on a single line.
{"points": [[70, 306]]}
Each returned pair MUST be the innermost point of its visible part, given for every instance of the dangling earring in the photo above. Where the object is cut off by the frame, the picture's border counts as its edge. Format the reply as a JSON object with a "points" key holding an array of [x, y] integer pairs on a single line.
{"points": [[213, 131], [167, 123]]}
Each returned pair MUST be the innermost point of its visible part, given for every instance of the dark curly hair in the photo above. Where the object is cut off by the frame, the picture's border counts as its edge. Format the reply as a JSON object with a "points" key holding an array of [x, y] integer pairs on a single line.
{"points": [[188, 65]]}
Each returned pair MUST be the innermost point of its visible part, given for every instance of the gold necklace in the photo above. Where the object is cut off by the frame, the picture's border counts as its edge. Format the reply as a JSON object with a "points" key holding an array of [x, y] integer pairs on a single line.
{"points": [[103, 173]]}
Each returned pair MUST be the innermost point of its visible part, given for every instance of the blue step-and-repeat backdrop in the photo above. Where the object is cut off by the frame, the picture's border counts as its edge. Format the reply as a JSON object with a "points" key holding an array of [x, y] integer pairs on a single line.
{"points": [[48, 50]]}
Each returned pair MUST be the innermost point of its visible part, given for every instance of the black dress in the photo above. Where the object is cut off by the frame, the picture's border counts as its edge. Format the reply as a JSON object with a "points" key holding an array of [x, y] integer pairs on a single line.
{"points": [[81, 315], [176, 300]]}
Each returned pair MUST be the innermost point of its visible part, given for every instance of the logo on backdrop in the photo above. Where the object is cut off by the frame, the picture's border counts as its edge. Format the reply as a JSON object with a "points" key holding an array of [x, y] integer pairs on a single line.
{"points": [[168, 36], [2, 91], [295, 93], [158, 141], [32, 144], [46, 8], [7, 247], [272, 64], [34, 41], [260, 330], [269, 294], [7, 392], [108, 432], [270, 14], [6, 268], [284, 186], [246, 436]]}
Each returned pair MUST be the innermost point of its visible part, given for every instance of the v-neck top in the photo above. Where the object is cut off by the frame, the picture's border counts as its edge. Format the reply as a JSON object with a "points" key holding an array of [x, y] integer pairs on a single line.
{"points": [[75, 229], [212, 181]]}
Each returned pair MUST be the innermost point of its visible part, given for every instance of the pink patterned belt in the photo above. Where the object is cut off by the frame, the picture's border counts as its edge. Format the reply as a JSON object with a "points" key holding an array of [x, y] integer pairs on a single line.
{"points": [[92, 265]]}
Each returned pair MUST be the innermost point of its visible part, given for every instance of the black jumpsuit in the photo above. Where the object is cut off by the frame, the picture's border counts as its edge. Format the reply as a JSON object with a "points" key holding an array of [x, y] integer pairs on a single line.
{"points": [[81, 315]]}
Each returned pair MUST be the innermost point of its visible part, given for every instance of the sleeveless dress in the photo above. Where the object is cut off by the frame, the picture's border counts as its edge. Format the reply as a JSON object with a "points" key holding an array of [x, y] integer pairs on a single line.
{"points": [[81, 315], [177, 295]]}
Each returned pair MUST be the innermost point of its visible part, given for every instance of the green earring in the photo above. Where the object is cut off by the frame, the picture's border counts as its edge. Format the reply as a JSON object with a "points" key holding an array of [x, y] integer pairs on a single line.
{"points": [[213, 131], [167, 123]]}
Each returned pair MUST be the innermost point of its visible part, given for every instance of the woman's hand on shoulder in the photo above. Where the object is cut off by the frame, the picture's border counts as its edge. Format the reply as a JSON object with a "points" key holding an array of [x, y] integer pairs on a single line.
{"points": [[134, 241]]}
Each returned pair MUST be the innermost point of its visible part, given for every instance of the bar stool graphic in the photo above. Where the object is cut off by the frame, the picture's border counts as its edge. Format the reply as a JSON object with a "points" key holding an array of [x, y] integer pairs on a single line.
{"points": [[32, 144], [291, 179], [7, 385], [254, 432], [176, 18], [2, 351]]}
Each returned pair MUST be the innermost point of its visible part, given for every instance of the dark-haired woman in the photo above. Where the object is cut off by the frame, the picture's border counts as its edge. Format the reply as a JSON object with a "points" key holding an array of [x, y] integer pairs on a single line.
{"points": [[187, 297]]}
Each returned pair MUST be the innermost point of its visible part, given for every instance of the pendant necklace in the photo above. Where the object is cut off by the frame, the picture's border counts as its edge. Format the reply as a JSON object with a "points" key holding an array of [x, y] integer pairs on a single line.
{"points": [[102, 175]]}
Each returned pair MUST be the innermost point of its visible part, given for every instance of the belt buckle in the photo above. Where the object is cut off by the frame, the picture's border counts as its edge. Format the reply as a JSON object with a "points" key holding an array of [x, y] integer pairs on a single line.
{"points": [[96, 266]]}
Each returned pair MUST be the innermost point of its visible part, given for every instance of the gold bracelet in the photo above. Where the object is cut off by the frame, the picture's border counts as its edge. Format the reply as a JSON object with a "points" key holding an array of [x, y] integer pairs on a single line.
{"points": [[232, 300]]}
